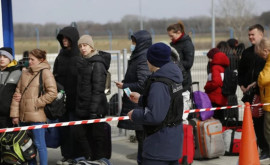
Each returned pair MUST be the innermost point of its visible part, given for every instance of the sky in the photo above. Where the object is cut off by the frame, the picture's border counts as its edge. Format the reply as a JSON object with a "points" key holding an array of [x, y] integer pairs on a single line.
{"points": [[103, 11]]}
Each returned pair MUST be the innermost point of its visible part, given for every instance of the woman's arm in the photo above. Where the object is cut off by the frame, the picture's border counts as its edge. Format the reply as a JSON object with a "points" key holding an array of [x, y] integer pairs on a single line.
{"points": [[50, 88]]}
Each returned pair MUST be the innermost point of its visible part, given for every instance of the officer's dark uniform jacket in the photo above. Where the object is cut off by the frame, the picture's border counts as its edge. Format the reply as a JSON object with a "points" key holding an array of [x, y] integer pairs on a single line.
{"points": [[166, 143]]}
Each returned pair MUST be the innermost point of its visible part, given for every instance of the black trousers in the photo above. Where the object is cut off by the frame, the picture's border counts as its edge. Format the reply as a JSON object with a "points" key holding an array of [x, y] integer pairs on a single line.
{"points": [[259, 131], [67, 144], [94, 140], [140, 137]]}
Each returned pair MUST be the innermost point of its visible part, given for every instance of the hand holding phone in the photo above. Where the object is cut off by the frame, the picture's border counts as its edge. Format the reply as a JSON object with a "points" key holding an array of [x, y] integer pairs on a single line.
{"points": [[127, 91]]}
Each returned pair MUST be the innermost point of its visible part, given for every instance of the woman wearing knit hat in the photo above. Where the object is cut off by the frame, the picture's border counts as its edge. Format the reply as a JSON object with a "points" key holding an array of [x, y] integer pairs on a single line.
{"points": [[218, 61], [94, 139], [162, 110], [134, 79]]}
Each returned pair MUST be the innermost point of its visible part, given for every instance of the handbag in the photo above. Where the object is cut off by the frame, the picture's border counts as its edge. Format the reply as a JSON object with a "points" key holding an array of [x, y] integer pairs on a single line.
{"points": [[56, 108], [256, 111]]}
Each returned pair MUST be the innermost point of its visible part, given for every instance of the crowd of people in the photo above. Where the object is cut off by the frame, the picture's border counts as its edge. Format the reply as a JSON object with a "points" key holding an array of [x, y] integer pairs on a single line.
{"points": [[159, 76]]}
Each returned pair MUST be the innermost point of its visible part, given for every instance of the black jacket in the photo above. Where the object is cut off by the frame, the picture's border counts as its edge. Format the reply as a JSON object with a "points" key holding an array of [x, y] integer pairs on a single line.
{"points": [[136, 74], [185, 49], [64, 69], [8, 83], [250, 65], [91, 99]]}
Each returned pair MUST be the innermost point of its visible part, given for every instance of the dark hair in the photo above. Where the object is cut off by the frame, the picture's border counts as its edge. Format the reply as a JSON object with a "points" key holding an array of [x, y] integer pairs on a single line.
{"points": [[177, 27], [39, 54], [256, 26], [25, 54], [133, 39]]}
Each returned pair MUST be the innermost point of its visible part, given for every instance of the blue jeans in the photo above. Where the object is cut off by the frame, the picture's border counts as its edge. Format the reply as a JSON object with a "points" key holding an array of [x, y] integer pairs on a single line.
{"points": [[39, 140]]}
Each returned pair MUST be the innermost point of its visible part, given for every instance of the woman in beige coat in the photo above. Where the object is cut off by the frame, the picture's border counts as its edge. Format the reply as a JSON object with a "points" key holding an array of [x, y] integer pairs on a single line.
{"points": [[27, 106]]}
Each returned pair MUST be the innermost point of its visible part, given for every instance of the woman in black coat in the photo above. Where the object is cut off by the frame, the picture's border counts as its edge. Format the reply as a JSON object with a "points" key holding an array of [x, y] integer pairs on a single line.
{"points": [[94, 140], [185, 48], [65, 73], [136, 74]]}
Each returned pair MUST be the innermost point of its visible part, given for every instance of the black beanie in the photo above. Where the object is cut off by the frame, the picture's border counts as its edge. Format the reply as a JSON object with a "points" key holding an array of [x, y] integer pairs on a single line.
{"points": [[159, 54], [6, 51]]}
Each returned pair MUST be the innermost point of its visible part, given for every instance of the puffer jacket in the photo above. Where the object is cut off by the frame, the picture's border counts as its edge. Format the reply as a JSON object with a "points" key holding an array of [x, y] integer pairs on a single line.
{"points": [[264, 84], [135, 76], [31, 106], [8, 82], [91, 99], [185, 49], [213, 86]]}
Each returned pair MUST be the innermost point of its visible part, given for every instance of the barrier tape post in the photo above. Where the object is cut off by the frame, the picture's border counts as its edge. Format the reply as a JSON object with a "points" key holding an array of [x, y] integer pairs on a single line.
{"points": [[109, 119]]}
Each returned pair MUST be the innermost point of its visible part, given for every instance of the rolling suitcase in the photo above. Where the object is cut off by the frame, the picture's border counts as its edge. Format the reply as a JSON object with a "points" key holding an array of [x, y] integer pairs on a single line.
{"points": [[194, 122], [210, 136], [188, 146]]}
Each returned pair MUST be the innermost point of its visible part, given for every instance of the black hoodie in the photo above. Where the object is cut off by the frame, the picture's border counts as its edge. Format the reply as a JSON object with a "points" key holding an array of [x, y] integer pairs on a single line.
{"points": [[91, 99], [64, 69]]}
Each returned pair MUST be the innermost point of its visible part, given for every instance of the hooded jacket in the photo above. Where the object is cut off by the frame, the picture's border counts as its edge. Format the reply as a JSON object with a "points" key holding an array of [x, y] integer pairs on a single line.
{"points": [[166, 144], [213, 86], [185, 49], [135, 76], [9, 78], [264, 84], [31, 106], [91, 99], [64, 69]]}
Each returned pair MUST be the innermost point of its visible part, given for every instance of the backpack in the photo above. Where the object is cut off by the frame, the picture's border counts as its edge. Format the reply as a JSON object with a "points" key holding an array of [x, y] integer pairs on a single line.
{"points": [[230, 82], [175, 112], [56, 108], [17, 147]]}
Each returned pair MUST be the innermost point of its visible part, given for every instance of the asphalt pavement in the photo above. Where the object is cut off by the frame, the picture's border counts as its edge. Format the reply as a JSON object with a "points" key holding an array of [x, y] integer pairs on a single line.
{"points": [[124, 153]]}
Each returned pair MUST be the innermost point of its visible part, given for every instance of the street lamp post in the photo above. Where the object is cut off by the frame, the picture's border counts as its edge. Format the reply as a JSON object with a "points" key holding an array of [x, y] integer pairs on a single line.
{"points": [[141, 18], [213, 24]]}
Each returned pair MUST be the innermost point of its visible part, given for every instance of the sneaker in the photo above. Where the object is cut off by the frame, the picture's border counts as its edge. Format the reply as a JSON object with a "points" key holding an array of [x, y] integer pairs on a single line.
{"points": [[264, 157], [60, 162], [69, 162]]}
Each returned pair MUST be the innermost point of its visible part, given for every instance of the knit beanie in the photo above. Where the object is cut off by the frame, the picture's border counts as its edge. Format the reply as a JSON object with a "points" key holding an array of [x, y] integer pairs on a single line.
{"points": [[86, 39], [212, 52], [159, 54], [6, 51]]}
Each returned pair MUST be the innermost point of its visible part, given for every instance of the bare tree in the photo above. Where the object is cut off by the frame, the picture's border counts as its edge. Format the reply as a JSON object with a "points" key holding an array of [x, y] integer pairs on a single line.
{"points": [[236, 14]]}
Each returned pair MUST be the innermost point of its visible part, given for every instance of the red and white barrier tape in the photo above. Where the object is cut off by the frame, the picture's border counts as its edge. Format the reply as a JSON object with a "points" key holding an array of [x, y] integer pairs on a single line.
{"points": [[64, 124], [71, 123]]}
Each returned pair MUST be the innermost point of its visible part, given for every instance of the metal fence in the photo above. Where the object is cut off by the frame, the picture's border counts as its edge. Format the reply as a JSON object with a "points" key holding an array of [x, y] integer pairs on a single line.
{"points": [[118, 68]]}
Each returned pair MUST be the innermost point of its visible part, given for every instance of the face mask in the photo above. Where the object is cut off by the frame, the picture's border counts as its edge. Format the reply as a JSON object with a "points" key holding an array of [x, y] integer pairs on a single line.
{"points": [[132, 47]]}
